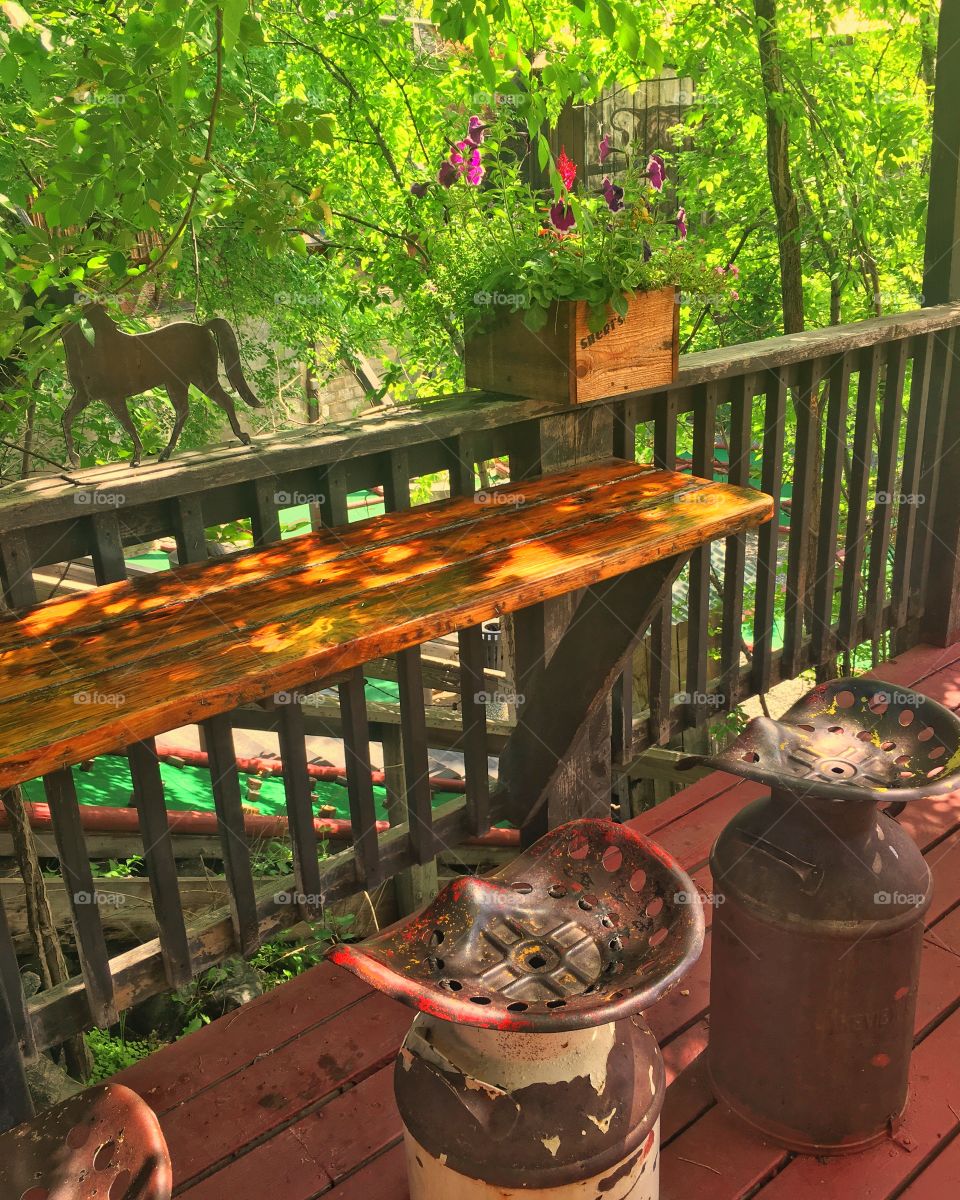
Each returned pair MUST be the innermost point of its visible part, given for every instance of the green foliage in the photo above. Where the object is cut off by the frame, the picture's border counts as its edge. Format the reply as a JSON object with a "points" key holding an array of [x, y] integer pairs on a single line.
{"points": [[118, 868], [113, 1052]]}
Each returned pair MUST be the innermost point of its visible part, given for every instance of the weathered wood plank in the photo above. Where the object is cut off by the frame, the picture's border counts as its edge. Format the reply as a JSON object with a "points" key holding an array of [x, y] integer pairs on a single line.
{"points": [[698, 603], [735, 557], [891, 416], [356, 748], [661, 629], [861, 457], [217, 638], [299, 796], [835, 444]]}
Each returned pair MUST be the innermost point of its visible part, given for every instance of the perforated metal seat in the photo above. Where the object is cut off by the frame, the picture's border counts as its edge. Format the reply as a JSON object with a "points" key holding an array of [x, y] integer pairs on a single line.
{"points": [[851, 739], [589, 925], [102, 1144]]}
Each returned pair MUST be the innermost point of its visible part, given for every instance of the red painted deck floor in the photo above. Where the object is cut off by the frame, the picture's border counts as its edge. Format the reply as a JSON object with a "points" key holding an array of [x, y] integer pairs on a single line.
{"points": [[291, 1097]]}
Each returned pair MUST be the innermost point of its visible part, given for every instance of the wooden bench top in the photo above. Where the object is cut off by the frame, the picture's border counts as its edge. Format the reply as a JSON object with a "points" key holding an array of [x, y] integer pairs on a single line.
{"points": [[81, 676]]}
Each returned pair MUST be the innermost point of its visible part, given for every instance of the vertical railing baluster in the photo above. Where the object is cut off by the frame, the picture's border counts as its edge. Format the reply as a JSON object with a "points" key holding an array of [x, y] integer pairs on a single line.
{"points": [[473, 711], [828, 526], [735, 555], [110, 567], [16, 1104], [356, 748], [891, 417], [82, 898], [942, 381], [661, 628], [225, 781], [907, 494], [861, 458], [299, 798], [807, 395], [621, 750], [265, 519], [160, 862], [188, 529], [698, 627], [413, 720], [768, 535], [11, 984], [16, 570]]}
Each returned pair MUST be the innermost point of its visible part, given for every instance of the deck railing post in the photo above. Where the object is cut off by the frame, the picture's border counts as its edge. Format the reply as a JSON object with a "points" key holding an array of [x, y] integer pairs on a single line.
{"points": [[941, 620]]}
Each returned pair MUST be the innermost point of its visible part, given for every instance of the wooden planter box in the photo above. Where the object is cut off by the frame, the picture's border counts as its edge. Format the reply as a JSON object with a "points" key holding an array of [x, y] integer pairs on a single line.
{"points": [[640, 350]]}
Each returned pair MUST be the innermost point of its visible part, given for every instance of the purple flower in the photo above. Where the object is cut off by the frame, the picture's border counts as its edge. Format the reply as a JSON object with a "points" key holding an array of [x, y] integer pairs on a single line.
{"points": [[681, 222], [656, 172], [561, 217], [419, 189], [613, 194], [448, 174], [604, 148], [475, 130], [474, 170]]}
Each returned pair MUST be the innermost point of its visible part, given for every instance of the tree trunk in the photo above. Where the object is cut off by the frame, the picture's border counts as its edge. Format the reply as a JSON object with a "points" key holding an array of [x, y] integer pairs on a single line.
{"points": [[778, 167]]}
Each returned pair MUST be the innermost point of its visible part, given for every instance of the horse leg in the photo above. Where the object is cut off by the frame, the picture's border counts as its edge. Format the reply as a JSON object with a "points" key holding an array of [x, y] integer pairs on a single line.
{"points": [[78, 402], [225, 400], [119, 409], [178, 393]]}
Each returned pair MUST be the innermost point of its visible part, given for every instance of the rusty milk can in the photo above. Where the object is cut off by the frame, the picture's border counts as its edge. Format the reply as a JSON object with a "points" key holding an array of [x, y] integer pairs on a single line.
{"points": [[819, 920], [528, 1070]]}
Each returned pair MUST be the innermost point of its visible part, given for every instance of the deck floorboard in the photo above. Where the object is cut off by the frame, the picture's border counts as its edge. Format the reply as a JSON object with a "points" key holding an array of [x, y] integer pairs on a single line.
{"points": [[291, 1097]]}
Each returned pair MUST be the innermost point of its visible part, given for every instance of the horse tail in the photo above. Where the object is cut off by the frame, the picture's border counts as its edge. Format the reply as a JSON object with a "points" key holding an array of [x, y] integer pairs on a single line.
{"points": [[229, 352]]}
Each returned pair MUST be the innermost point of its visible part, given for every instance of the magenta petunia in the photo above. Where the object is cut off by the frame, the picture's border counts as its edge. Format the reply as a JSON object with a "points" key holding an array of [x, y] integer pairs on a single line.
{"points": [[561, 217], [419, 189], [475, 130], [604, 148], [474, 169], [613, 194], [656, 172], [681, 222]]}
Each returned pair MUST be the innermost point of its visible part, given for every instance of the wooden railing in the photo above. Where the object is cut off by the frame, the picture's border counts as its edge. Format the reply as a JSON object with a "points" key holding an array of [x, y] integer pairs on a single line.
{"points": [[872, 404]]}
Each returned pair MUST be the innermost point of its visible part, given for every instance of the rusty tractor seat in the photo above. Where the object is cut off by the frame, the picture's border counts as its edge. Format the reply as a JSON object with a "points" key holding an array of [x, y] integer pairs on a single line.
{"points": [[102, 1144]]}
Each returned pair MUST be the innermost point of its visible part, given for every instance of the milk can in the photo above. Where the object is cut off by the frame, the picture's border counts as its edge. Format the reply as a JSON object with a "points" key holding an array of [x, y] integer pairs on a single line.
{"points": [[820, 910], [529, 1070]]}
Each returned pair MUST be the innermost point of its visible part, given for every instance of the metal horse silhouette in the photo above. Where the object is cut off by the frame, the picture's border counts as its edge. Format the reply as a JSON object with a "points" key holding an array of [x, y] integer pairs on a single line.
{"points": [[117, 366]]}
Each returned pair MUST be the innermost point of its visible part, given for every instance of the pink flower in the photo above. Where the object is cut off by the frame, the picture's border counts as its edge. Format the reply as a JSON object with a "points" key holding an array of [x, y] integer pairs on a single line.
{"points": [[734, 295], [566, 168], [735, 271], [656, 172], [681, 223], [721, 270], [604, 148]]}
